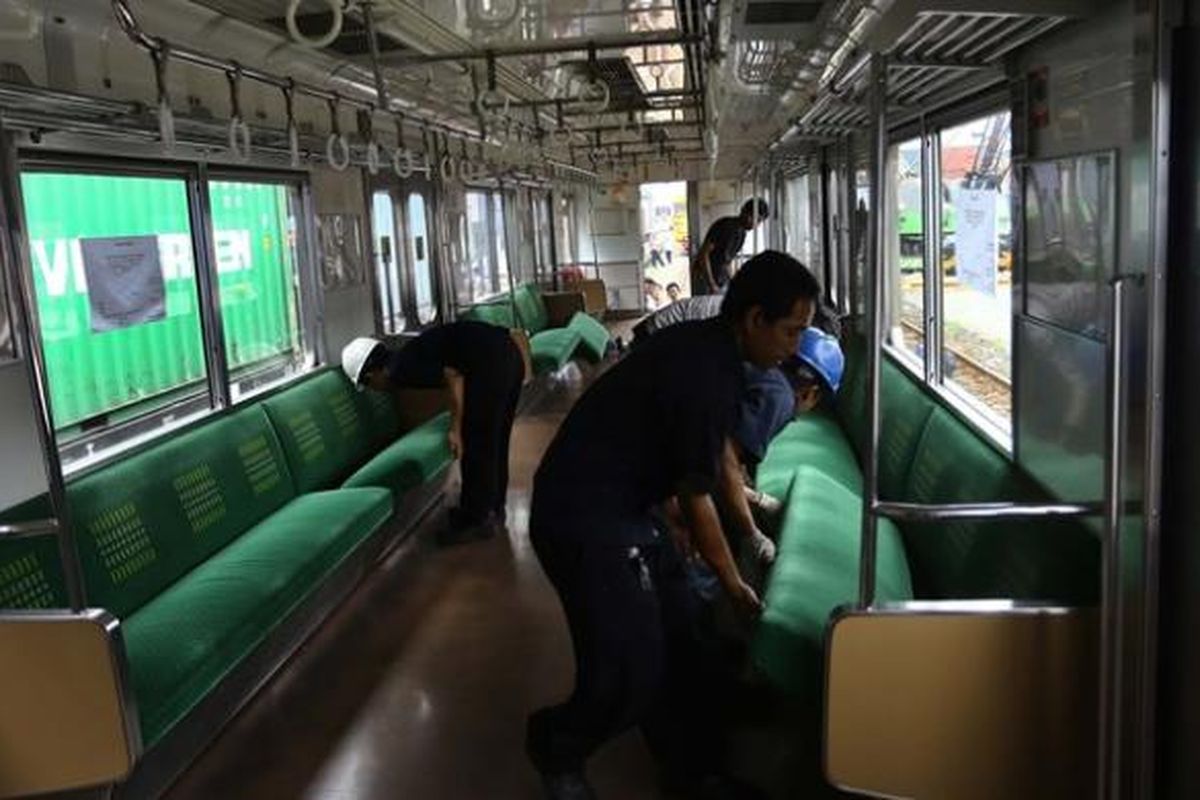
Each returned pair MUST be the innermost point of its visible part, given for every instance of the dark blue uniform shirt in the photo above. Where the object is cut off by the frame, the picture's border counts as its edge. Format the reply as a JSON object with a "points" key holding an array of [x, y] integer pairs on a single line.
{"points": [[657, 419], [466, 346]]}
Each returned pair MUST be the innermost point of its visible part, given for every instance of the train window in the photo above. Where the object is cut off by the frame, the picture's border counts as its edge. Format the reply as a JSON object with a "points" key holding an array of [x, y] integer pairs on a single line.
{"points": [[422, 265], [387, 262], [117, 293], [976, 318], [254, 232], [905, 249]]}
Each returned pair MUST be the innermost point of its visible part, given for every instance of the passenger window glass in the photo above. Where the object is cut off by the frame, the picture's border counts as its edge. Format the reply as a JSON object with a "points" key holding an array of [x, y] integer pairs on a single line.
{"points": [[905, 250], [114, 279], [254, 231], [423, 281], [387, 258], [976, 178]]}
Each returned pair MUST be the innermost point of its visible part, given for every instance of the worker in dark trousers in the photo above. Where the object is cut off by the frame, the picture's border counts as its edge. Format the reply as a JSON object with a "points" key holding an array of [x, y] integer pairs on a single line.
{"points": [[482, 367], [657, 424], [713, 264]]}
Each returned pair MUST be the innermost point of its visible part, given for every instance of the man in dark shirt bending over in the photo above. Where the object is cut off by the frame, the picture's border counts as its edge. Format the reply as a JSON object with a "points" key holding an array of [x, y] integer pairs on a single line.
{"points": [[656, 425], [714, 263]]}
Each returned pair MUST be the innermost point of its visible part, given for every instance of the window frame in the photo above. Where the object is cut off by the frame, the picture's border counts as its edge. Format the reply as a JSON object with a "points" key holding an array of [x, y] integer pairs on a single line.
{"points": [[212, 394], [929, 370]]}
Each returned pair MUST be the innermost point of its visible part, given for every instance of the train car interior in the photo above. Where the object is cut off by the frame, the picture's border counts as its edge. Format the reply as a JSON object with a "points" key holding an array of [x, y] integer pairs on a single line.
{"points": [[335, 367]]}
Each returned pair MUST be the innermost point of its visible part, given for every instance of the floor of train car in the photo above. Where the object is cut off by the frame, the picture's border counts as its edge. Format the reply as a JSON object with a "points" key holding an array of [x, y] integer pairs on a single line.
{"points": [[419, 685]]}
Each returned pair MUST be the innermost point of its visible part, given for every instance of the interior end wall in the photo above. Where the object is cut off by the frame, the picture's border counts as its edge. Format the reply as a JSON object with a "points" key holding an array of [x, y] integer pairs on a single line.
{"points": [[610, 236], [349, 311]]}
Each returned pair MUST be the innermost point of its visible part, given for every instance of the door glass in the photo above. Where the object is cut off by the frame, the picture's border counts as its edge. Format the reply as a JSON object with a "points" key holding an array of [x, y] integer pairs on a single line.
{"points": [[906, 250], [387, 272], [422, 265]]}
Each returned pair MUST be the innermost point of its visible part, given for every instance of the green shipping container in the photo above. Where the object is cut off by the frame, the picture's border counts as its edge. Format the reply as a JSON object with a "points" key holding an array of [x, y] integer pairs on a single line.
{"points": [[133, 368]]}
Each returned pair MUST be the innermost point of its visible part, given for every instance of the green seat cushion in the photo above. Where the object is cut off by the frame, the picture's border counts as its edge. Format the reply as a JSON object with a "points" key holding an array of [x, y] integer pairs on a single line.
{"points": [[594, 335], [145, 521], [551, 349], [851, 405], [414, 459], [183, 642], [1025, 560], [815, 572], [31, 574], [378, 410], [531, 308], [320, 424], [815, 439], [496, 313], [906, 411]]}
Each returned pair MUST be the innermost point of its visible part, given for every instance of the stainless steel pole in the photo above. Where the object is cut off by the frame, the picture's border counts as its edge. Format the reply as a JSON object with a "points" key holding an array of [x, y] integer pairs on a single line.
{"points": [[875, 269], [14, 258], [1112, 605]]}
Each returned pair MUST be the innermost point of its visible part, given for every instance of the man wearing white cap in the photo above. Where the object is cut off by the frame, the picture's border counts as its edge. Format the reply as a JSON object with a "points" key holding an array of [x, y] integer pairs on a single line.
{"points": [[483, 369]]}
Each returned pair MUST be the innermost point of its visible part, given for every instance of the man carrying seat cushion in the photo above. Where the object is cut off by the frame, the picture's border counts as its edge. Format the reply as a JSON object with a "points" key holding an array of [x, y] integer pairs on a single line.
{"points": [[483, 368], [655, 425]]}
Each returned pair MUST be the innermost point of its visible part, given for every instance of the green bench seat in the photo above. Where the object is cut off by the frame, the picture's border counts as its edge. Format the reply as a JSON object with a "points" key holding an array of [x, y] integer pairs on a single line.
{"points": [[550, 350], [417, 458], [185, 640], [202, 543], [926, 455], [816, 570]]}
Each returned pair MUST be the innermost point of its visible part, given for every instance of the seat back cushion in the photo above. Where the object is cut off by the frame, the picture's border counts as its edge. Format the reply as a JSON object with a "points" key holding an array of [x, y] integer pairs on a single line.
{"points": [[531, 308], [906, 412], [31, 574], [324, 435], [594, 335], [495, 313], [851, 403], [813, 439], [1025, 560], [145, 521], [381, 416], [816, 571]]}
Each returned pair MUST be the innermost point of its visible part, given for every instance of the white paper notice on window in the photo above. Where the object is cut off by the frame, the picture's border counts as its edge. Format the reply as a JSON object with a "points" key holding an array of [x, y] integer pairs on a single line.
{"points": [[975, 239], [124, 280]]}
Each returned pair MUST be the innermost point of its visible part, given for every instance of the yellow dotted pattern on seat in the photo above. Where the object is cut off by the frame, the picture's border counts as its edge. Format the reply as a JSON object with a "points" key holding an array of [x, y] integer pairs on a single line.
{"points": [[308, 436], [200, 497], [342, 406], [23, 584], [123, 542], [262, 470]]}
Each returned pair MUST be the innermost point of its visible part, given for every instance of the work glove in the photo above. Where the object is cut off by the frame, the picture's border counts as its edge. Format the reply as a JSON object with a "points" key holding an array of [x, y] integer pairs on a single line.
{"points": [[762, 547]]}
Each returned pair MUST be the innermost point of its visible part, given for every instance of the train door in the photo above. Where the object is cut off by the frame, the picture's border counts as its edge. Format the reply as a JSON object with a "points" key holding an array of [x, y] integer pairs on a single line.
{"points": [[406, 279]]}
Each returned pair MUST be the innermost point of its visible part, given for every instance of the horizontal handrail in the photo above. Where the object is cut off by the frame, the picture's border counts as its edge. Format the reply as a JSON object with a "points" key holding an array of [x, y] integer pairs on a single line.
{"points": [[38, 527], [927, 512]]}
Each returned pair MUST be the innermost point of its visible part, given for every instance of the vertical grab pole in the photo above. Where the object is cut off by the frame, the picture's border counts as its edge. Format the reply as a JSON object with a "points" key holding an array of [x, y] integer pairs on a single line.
{"points": [[1112, 605], [874, 267], [14, 257]]}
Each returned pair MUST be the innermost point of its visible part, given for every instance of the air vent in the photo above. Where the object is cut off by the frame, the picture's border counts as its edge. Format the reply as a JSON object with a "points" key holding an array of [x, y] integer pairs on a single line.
{"points": [[776, 19], [626, 91]]}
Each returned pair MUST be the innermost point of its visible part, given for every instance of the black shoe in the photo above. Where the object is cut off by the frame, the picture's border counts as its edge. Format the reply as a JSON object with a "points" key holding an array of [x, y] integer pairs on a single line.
{"points": [[567, 786]]}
